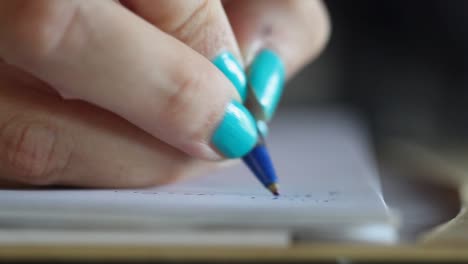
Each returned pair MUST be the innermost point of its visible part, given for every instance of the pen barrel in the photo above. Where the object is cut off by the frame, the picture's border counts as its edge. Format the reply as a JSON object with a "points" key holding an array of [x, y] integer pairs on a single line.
{"points": [[258, 160], [253, 104]]}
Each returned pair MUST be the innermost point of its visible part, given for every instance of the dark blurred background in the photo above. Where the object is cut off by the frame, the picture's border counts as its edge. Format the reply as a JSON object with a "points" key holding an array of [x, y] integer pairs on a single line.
{"points": [[401, 62], [402, 65]]}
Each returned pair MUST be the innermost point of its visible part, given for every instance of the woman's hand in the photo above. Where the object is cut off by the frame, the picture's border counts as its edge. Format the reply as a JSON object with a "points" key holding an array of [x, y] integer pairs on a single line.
{"points": [[103, 94]]}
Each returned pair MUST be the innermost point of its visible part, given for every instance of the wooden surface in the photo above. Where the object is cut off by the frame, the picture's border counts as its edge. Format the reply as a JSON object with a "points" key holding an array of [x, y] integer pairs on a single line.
{"points": [[447, 242], [296, 253]]}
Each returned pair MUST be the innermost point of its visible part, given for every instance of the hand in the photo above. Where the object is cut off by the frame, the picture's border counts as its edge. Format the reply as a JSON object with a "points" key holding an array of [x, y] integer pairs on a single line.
{"points": [[277, 38], [92, 95]]}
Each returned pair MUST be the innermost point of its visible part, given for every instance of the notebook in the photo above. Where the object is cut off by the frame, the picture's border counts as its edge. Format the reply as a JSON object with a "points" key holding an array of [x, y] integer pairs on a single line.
{"points": [[329, 183]]}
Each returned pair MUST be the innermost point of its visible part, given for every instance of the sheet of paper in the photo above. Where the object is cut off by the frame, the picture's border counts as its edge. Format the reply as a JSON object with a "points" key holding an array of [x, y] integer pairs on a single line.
{"points": [[329, 183], [30, 237]]}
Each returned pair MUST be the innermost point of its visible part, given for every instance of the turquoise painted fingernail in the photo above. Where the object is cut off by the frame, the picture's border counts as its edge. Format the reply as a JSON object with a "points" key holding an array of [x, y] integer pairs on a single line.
{"points": [[236, 135], [262, 128], [232, 69], [266, 78]]}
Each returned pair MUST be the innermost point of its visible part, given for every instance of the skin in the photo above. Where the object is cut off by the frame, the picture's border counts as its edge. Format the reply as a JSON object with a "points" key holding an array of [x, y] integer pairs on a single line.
{"points": [[104, 93]]}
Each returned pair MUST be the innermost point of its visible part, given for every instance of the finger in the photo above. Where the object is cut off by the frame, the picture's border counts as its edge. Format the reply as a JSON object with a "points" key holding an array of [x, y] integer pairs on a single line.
{"points": [[46, 141], [276, 39], [99, 52], [202, 25]]}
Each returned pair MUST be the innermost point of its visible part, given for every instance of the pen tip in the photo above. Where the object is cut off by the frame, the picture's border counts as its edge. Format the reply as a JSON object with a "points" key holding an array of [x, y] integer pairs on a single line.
{"points": [[274, 189]]}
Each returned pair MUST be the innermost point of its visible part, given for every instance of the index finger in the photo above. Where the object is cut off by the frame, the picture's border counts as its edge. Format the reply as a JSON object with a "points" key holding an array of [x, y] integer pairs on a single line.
{"points": [[203, 26], [99, 52]]}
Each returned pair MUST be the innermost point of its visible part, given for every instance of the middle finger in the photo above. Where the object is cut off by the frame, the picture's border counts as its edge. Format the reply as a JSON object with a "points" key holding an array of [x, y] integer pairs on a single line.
{"points": [[202, 25]]}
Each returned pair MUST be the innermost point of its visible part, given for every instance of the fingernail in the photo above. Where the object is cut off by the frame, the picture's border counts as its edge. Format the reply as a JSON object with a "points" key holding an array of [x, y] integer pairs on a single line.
{"points": [[236, 135], [232, 69], [262, 128], [266, 78]]}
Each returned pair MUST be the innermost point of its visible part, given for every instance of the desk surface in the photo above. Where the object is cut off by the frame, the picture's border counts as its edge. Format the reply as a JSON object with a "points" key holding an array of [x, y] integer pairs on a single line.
{"points": [[447, 242], [296, 253]]}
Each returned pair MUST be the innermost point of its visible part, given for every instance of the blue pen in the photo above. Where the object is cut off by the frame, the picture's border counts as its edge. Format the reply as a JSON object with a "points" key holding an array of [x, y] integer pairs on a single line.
{"points": [[267, 77], [258, 160]]}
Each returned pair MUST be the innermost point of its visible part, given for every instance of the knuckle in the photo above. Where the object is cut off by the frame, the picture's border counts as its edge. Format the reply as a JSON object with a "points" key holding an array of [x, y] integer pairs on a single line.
{"points": [[185, 118], [33, 150], [179, 100], [190, 24], [204, 24], [37, 28], [198, 21]]}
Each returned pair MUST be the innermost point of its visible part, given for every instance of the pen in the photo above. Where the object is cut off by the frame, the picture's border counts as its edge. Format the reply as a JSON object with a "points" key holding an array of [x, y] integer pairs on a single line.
{"points": [[261, 95], [258, 160]]}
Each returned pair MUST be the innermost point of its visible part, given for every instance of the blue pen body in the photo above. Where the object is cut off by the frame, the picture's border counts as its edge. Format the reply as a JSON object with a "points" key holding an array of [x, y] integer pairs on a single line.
{"points": [[266, 78], [259, 162]]}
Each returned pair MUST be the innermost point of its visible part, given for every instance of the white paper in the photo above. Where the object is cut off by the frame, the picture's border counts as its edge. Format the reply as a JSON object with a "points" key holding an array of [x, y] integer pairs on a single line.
{"points": [[328, 183], [166, 238]]}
